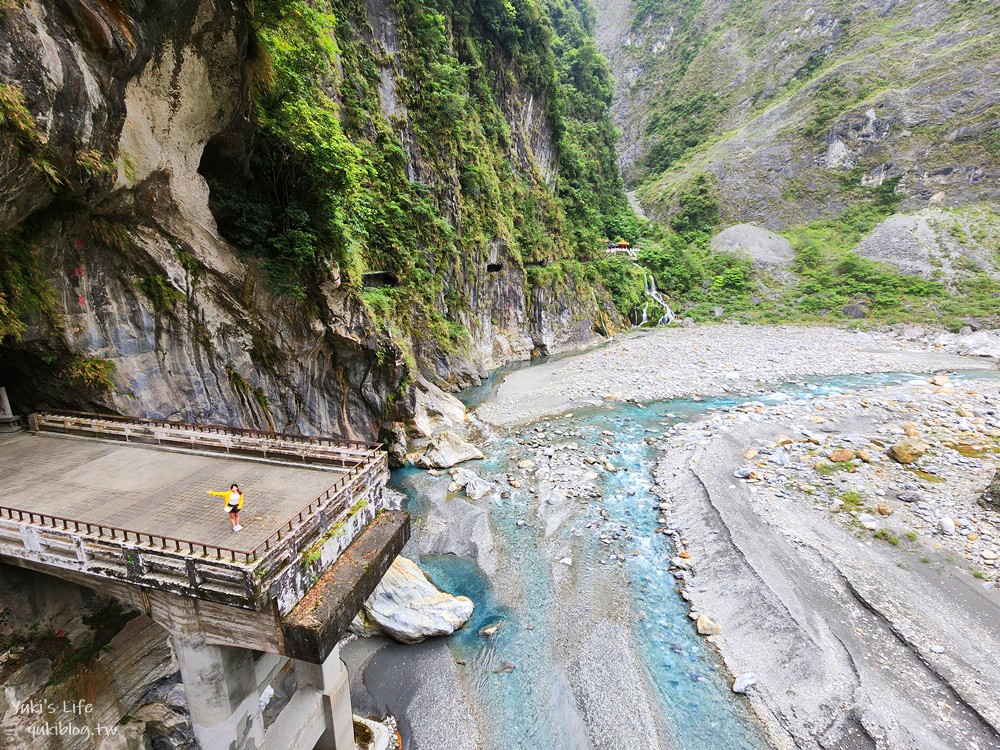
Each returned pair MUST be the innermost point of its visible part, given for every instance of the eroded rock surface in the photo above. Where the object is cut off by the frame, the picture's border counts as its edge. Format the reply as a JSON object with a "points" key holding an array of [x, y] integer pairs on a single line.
{"points": [[408, 607]]}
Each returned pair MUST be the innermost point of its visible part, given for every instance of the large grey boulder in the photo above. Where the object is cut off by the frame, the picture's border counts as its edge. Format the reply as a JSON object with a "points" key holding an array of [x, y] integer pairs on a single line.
{"points": [[447, 449], [434, 410], [766, 249], [475, 486], [408, 607], [978, 344]]}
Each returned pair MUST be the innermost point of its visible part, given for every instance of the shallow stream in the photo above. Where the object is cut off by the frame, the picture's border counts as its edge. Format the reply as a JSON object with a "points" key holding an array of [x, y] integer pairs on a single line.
{"points": [[533, 706]]}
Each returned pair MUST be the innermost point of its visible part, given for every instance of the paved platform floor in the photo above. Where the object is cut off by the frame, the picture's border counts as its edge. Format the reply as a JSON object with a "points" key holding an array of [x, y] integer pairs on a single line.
{"points": [[150, 490]]}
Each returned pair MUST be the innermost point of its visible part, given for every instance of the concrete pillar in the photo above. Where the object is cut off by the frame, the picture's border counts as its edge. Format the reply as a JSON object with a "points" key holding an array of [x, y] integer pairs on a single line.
{"points": [[331, 680], [222, 693]]}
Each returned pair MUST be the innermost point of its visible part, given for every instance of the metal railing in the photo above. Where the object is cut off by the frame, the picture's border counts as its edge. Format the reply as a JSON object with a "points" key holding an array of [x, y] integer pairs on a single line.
{"points": [[214, 429], [338, 488], [337, 491], [106, 531]]}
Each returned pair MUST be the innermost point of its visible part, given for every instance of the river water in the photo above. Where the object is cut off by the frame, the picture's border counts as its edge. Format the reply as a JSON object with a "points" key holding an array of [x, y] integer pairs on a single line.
{"points": [[532, 706]]}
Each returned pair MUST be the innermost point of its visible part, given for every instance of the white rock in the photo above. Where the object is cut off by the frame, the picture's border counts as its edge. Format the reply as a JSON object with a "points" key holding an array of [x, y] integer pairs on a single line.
{"points": [[744, 682], [475, 486], [947, 526], [409, 608], [433, 409], [446, 450]]}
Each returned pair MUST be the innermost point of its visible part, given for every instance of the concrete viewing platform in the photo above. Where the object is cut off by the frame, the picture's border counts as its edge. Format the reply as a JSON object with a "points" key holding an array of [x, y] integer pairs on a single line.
{"points": [[127, 500], [126, 486], [121, 505]]}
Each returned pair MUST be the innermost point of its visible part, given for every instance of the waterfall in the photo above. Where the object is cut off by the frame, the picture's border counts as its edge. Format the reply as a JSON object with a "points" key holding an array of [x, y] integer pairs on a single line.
{"points": [[649, 287]]}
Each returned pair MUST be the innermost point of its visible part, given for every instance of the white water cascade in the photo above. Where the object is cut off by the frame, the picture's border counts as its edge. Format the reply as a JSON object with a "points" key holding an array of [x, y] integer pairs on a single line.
{"points": [[649, 284]]}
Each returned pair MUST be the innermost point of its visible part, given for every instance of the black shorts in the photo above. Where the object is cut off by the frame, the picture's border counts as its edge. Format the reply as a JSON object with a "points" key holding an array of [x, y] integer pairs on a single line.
{"points": [[233, 509]]}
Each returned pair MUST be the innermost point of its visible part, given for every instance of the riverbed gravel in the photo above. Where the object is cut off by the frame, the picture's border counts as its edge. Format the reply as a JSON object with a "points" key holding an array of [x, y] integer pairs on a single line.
{"points": [[840, 574], [710, 360]]}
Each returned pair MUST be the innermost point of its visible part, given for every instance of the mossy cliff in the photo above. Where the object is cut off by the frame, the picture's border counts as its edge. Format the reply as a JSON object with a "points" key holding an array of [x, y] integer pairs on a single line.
{"points": [[288, 213]]}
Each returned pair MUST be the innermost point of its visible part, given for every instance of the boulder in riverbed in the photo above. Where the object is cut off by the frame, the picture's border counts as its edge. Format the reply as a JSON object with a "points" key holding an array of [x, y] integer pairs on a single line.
{"points": [[475, 486], [408, 607], [907, 451], [447, 449], [707, 626], [840, 455]]}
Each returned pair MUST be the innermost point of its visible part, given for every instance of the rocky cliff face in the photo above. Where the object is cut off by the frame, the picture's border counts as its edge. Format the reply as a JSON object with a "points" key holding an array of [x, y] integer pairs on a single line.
{"points": [[74, 665], [790, 105], [121, 125]]}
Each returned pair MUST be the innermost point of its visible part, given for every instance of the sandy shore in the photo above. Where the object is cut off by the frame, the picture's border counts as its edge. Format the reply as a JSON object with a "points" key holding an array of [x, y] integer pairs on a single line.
{"points": [[708, 360]]}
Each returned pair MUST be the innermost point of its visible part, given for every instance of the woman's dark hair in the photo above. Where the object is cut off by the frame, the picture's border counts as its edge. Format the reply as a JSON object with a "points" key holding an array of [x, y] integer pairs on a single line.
{"points": [[234, 486]]}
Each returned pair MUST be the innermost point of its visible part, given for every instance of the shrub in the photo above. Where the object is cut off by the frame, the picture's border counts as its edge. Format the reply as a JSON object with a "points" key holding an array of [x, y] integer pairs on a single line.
{"points": [[161, 292], [624, 281], [94, 373]]}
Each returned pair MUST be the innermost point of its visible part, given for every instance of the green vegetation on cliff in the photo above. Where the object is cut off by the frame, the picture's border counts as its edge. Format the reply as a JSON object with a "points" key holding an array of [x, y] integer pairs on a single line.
{"points": [[779, 100], [417, 181]]}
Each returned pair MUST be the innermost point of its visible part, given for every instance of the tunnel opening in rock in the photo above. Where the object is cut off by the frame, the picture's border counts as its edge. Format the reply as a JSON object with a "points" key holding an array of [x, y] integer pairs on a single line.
{"points": [[378, 279], [494, 267]]}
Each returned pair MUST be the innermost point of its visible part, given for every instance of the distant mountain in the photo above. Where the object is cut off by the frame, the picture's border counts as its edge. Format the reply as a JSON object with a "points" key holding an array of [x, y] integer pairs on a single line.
{"points": [[796, 107]]}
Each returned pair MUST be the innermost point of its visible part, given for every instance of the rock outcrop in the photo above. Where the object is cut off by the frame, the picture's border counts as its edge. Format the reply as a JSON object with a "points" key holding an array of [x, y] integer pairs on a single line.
{"points": [[68, 647], [143, 278], [408, 607], [133, 121]]}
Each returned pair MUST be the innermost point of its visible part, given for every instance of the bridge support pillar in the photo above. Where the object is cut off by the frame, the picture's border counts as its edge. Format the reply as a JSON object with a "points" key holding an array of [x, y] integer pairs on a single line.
{"points": [[225, 685], [222, 693], [331, 681]]}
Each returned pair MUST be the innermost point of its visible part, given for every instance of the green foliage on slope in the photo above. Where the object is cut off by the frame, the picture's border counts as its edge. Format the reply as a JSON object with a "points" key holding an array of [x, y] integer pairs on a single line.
{"points": [[723, 81], [827, 275], [338, 182]]}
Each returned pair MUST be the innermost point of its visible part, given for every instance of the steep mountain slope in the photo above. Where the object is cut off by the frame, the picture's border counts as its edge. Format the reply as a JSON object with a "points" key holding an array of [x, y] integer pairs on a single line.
{"points": [[293, 214], [792, 106]]}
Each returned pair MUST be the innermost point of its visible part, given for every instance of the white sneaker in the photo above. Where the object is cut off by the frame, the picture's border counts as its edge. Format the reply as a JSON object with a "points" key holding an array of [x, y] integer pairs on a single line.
{"points": [[239, 527]]}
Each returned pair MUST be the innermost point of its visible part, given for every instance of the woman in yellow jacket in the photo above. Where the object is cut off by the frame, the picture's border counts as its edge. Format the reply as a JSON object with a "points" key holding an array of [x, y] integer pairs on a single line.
{"points": [[234, 504]]}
